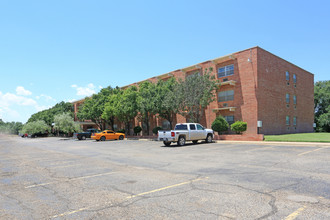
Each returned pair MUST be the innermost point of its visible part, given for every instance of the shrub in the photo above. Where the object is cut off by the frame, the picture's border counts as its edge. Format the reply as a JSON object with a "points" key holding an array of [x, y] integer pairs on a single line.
{"points": [[121, 131], [137, 130], [156, 129], [35, 127], [239, 127], [220, 124]]}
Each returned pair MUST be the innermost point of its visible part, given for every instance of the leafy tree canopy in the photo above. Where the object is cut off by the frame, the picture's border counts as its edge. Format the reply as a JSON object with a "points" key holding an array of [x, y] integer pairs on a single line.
{"points": [[195, 94], [35, 127], [125, 106], [93, 107], [49, 114], [167, 102], [322, 105], [65, 123], [146, 102], [10, 127]]}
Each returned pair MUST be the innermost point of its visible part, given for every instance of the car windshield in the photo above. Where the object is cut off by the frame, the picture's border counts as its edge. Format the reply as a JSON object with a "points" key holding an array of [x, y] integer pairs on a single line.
{"points": [[181, 127]]}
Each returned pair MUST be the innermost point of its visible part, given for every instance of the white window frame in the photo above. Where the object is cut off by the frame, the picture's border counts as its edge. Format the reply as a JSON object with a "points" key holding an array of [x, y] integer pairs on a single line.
{"points": [[227, 70]]}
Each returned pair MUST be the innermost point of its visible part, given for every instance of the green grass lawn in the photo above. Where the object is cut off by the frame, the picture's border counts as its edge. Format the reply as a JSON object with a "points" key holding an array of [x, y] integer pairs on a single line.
{"points": [[301, 137]]}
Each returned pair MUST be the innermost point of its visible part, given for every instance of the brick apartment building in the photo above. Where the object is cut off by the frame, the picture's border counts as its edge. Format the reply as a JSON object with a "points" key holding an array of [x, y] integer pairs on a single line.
{"points": [[256, 85]]}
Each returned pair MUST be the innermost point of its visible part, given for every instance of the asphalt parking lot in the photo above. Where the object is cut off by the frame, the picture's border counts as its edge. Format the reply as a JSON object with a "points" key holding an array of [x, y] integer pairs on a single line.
{"points": [[52, 178]]}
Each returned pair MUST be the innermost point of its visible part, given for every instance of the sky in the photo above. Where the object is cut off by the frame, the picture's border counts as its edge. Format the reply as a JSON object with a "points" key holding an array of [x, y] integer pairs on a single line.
{"points": [[65, 50]]}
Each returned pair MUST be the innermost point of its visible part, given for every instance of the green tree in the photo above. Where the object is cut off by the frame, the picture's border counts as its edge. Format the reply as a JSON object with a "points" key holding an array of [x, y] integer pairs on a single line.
{"points": [[322, 105], [146, 102], [109, 107], [126, 106], [65, 123], [93, 107], [239, 127], [10, 127], [195, 94], [35, 127], [220, 124], [167, 102], [49, 114]]}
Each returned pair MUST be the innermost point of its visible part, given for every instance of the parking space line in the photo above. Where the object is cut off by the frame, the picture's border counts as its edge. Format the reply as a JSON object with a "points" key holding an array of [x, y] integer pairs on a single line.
{"points": [[132, 196], [295, 214], [167, 187], [311, 151], [69, 180]]}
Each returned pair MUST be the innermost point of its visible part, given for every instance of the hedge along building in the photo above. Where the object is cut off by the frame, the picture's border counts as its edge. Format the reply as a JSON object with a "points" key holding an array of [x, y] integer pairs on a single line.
{"points": [[255, 86]]}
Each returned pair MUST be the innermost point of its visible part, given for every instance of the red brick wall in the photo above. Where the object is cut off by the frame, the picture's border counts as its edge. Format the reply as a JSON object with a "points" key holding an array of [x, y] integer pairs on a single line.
{"points": [[272, 89]]}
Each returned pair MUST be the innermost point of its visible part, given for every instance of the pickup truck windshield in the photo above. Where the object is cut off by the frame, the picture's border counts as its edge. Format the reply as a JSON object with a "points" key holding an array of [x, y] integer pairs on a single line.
{"points": [[181, 127]]}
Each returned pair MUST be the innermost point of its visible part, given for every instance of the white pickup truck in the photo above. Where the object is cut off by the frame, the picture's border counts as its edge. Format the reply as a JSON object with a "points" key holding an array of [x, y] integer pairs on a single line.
{"points": [[186, 132]]}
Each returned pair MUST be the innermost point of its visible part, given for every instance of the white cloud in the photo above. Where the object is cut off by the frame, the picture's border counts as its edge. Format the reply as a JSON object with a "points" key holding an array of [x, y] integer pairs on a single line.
{"points": [[43, 107], [9, 99], [46, 97], [85, 91], [21, 91]]}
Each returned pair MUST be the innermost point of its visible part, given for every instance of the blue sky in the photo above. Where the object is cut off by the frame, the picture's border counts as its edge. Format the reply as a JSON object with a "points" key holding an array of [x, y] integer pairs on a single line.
{"points": [[52, 51]]}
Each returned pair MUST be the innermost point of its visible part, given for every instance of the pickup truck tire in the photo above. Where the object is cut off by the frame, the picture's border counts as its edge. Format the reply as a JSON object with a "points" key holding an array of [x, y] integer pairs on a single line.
{"points": [[181, 141], [195, 142], [121, 137], [83, 137], [209, 138], [167, 143], [102, 138]]}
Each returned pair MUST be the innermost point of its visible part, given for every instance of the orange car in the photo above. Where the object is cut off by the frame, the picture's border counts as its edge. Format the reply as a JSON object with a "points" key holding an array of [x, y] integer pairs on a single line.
{"points": [[108, 135]]}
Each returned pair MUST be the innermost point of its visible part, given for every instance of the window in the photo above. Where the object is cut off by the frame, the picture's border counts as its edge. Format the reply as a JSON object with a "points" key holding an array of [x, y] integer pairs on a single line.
{"points": [[181, 127], [226, 71], [192, 127], [294, 120], [287, 97], [229, 119], [294, 78], [294, 99], [226, 96], [287, 119], [199, 127], [287, 76], [110, 132]]}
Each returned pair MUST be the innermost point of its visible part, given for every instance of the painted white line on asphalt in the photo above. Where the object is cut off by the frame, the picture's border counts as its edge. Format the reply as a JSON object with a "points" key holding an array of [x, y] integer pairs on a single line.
{"points": [[311, 151], [131, 197], [69, 180], [167, 187]]}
